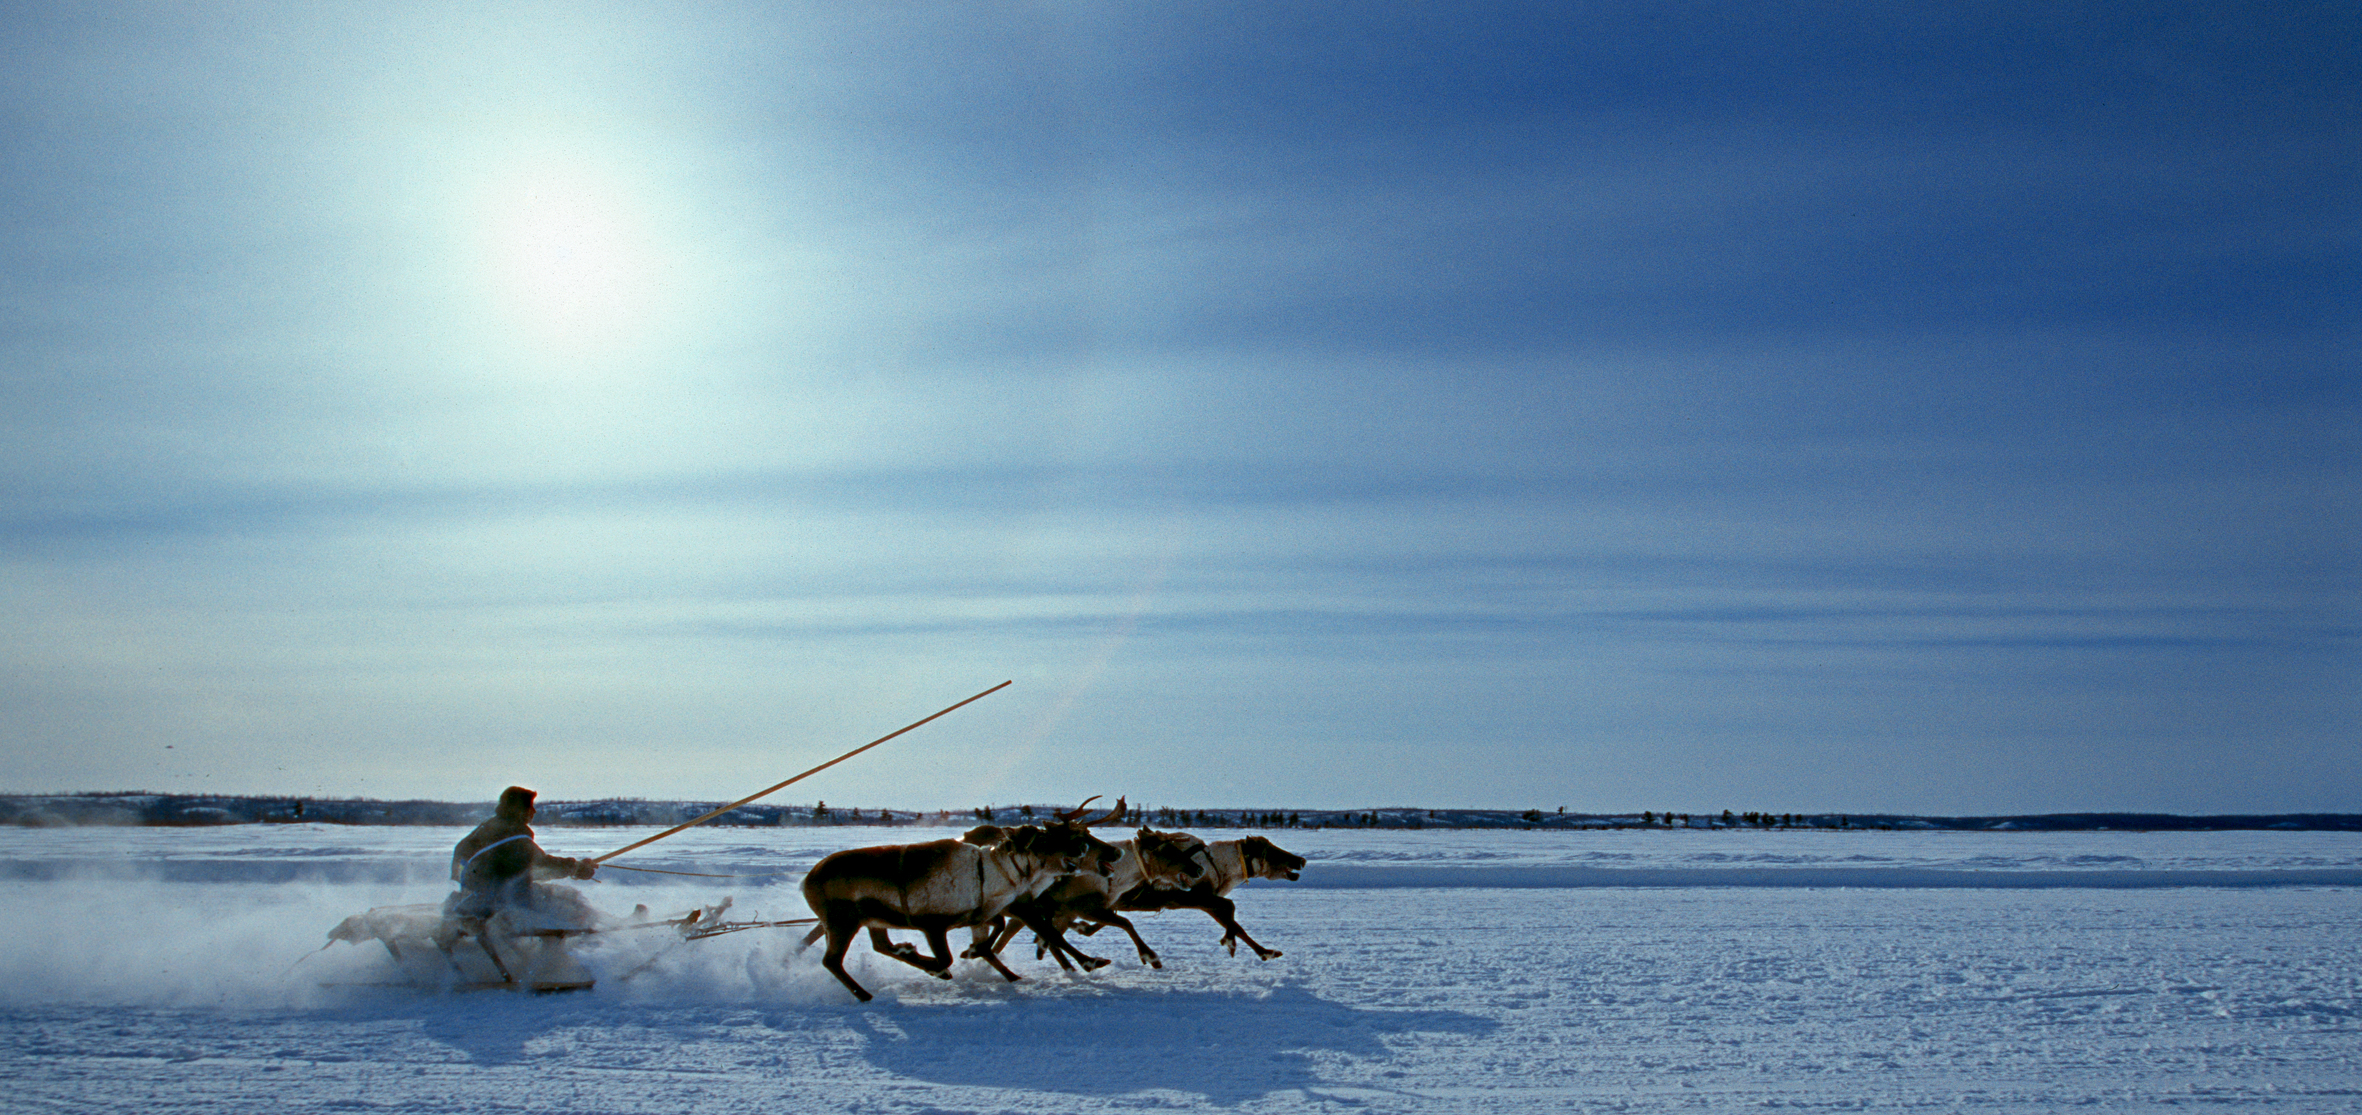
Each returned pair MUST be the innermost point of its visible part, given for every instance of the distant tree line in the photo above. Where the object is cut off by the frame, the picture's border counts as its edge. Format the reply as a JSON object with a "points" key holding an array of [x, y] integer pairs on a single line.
{"points": [[146, 808]]}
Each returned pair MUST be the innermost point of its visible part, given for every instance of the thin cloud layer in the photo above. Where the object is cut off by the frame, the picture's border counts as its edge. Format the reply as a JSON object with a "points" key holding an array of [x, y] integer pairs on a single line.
{"points": [[1842, 408]]}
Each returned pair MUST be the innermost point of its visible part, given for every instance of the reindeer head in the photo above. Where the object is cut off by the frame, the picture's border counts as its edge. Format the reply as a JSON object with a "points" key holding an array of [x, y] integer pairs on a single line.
{"points": [[1172, 859], [1073, 821], [1266, 860]]}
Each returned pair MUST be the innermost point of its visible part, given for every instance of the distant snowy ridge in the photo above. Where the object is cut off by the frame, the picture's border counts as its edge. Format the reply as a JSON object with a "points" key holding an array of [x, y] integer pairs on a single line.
{"points": [[194, 810]]}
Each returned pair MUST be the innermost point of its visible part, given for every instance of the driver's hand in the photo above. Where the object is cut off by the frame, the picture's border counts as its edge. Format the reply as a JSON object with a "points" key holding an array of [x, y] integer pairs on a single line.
{"points": [[585, 868]]}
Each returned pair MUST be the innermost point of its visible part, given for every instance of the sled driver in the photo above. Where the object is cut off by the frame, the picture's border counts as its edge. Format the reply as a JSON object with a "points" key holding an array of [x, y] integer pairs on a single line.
{"points": [[498, 868]]}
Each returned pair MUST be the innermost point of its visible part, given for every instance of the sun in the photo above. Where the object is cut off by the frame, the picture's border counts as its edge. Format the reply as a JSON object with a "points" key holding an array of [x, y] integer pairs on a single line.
{"points": [[568, 257]]}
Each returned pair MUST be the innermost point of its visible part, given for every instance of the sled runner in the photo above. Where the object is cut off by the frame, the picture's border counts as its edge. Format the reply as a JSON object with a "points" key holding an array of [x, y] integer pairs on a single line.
{"points": [[508, 951]]}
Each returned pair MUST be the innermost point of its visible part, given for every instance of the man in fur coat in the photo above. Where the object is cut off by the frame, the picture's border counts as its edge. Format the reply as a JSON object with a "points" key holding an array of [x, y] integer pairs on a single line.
{"points": [[499, 867]]}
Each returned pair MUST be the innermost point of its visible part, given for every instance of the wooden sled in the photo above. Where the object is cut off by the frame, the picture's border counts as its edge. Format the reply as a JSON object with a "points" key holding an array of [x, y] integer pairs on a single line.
{"points": [[445, 952]]}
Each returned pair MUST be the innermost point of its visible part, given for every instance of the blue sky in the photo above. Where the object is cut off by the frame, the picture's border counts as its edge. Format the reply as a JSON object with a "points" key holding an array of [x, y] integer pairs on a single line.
{"points": [[1846, 407]]}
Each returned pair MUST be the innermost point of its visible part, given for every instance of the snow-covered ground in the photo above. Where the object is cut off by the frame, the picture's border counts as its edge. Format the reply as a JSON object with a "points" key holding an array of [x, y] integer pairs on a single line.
{"points": [[1429, 971]]}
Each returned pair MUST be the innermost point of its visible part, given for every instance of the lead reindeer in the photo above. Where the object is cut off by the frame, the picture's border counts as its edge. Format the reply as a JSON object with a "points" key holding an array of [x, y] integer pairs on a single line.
{"points": [[1233, 862], [939, 886]]}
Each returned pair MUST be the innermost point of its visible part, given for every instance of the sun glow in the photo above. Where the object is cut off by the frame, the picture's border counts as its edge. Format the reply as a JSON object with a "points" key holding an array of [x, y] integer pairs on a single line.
{"points": [[571, 259]]}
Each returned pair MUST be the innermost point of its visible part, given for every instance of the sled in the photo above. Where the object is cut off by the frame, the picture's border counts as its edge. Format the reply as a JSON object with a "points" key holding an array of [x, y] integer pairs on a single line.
{"points": [[506, 952]]}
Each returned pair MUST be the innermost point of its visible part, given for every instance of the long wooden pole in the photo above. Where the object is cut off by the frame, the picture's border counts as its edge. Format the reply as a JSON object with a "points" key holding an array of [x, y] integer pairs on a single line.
{"points": [[796, 779]]}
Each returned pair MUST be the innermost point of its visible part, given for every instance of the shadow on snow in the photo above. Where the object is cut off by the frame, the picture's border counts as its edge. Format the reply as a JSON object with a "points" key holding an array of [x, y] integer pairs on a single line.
{"points": [[1227, 1047]]}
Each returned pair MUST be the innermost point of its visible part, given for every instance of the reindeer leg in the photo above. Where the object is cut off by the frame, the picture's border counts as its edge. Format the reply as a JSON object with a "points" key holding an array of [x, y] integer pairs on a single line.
{"points": [[1061, 948], [1148, 955], [902, 951], [994, 959], [980, 948], [1225, 911], [840, 938], [1043, 948], [983, 950], [991, 935], [1000, 930], [1051, 935]]}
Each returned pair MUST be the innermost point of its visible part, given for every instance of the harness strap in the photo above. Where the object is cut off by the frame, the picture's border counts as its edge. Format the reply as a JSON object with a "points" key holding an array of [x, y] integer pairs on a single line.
{"points": [[488, 847], [998, 869]]}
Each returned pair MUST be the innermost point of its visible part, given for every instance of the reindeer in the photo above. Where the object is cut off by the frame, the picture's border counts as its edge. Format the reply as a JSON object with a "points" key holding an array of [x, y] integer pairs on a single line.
{"points": [[1233, 862], [1161, 860], [939, 886]]}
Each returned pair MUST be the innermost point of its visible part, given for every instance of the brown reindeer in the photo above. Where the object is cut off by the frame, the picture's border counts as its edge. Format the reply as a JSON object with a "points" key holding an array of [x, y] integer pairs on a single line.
{"points": [[939, 886]]}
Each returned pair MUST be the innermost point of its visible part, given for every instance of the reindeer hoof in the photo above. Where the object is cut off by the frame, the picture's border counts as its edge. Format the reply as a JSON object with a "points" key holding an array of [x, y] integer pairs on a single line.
{"points": [[942, 975], [1094, 963], [1267, 953], [1154, 962]]}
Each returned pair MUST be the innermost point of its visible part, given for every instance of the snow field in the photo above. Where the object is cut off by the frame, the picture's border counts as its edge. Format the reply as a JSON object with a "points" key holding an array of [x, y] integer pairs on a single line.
{"points": [[123, 994]]}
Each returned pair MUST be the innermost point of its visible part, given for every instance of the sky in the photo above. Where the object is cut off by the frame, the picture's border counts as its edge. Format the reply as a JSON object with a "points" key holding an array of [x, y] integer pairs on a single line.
{"points": [[1943, 409]]}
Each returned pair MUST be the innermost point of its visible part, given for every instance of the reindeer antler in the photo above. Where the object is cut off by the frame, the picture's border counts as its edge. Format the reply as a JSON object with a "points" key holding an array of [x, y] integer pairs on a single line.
{"points": [[1076, 813], [1114, 816]]}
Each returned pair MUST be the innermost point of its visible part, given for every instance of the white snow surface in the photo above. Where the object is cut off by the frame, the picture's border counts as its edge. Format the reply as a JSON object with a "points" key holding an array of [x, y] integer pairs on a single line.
{"points": [[1425, 971]]}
